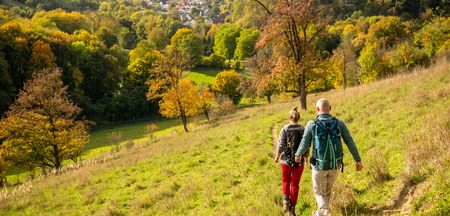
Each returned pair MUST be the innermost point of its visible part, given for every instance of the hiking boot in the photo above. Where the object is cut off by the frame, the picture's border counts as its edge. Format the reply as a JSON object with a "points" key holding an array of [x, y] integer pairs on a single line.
{"points": [[292, 210], [286, 205]]}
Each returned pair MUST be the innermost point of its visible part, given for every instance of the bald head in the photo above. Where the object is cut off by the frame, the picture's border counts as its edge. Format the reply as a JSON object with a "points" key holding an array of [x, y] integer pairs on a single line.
{"points": [[323, 106]]}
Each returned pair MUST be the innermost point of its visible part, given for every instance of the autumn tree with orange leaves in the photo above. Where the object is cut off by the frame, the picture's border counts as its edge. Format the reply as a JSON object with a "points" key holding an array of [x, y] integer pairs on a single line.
{"points": [[295, 24]]}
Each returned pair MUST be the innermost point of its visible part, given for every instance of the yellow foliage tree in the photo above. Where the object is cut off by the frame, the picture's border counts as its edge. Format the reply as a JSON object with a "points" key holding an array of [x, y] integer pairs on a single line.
{"points": [[41, 128], [227, 83], [180, 101], [41, 56]]}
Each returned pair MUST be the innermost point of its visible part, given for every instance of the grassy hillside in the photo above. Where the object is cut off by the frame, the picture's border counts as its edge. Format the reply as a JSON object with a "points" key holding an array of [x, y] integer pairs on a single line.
{"points": [[225, 167]]}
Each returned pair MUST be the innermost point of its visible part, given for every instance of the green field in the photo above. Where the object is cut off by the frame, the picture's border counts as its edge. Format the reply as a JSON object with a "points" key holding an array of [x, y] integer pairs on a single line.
{"points": [[225, 167], [202, 76], [99, 141]]}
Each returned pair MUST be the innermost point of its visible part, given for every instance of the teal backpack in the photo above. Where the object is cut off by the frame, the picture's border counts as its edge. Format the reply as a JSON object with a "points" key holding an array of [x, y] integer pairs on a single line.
{"points": [[327, 145]]}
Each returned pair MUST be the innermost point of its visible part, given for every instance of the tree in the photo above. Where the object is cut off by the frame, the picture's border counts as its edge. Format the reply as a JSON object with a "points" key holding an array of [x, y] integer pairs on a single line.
{"points": [[41, 127], [297, 24], [7, 91], [368, 61], [139, 70], [225, 40], [434, 36], [66, 21], [385, 32], [205, 101], [342, 60], [41, 56], [107, 36], [246, 43], [165, 84], [187, 44], [247, 13], [266, 86], [158, 37], [180, 101], [227, 83], [4, 163]]}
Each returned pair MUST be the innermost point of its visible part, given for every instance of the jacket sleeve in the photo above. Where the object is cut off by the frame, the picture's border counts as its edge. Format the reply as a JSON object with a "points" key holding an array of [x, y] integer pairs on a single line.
{"points": [[306, 140], [282, 141], [345, 133]]}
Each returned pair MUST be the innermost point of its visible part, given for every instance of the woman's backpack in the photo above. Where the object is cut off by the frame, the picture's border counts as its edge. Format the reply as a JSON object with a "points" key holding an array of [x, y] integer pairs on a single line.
{"points": [[294, 136]]}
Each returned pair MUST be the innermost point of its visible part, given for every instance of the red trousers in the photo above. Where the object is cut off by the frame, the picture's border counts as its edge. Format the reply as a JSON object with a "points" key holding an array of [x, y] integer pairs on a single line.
{"points": [[290, 178]]}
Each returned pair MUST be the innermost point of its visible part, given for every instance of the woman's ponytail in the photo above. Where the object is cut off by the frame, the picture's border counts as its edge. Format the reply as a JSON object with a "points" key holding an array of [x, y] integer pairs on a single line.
{"points": [[294, 115]]}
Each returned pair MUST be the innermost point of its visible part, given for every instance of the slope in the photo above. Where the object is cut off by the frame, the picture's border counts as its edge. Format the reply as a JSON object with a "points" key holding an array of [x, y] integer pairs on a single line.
{"points": [[225, 167]]}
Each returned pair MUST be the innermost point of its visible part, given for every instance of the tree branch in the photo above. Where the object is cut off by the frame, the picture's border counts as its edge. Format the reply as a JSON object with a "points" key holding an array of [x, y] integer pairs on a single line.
{"points": [[264, 6]]}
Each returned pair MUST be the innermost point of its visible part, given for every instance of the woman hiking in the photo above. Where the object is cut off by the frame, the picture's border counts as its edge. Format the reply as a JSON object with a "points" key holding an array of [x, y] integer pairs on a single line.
{"points": [[291, 171]]}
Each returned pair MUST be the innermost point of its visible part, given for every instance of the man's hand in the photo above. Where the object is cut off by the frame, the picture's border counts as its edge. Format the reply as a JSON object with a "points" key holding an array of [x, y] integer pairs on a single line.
{"points": [[298, 159], [359, 166], [306, 159]]}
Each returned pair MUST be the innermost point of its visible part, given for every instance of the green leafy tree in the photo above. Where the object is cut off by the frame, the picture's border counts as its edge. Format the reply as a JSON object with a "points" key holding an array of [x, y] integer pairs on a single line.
{"points": [[139, 71], [41, 127], [434, 36], [225, 40], [107, 36], [246, 42], [368, 61], [187, 44], [159, 38], [227, 83]]}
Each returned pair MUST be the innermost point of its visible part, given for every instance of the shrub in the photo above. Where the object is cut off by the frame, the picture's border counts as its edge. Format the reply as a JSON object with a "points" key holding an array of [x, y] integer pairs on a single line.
{"points": [[227, 83], [223, 106]]}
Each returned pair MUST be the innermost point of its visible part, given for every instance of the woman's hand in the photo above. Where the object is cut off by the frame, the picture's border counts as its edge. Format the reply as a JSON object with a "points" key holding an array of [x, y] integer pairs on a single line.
{"points": [[276, 159]]}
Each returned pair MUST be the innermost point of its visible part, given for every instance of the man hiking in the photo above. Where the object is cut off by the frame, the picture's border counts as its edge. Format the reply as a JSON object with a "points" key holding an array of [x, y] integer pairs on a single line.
{"points": [[325, 133]]}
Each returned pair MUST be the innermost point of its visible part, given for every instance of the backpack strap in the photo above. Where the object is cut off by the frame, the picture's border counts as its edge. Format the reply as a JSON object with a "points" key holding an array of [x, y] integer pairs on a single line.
{"points": [[314, 153]]}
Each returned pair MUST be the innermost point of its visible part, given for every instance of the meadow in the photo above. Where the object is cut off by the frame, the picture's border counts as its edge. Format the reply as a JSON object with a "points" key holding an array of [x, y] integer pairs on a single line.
{"points": [[225, 166], [206, 75], [101, 140]]}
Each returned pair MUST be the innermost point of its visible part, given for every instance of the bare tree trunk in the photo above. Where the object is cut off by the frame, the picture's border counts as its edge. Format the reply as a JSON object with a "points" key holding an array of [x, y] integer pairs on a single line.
{"points": [[344, 79], [3, 180], [56, 158], [205, 111], [269, 99], [303, 92], [184, 120]]}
